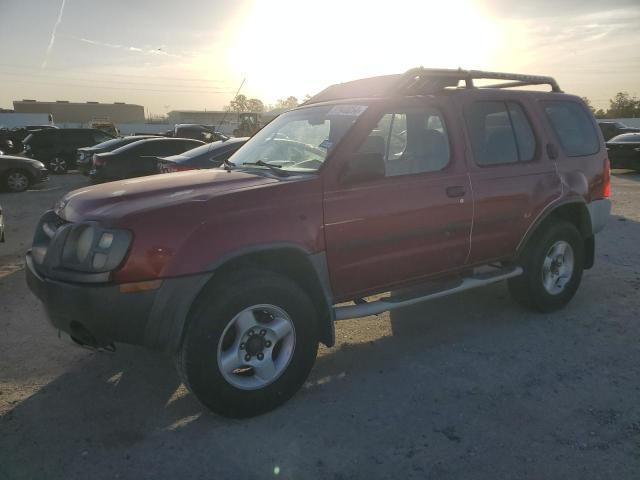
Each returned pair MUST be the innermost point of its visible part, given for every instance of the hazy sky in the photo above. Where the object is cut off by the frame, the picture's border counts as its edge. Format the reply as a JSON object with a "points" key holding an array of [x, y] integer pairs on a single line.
{"points": [[193, 54]]}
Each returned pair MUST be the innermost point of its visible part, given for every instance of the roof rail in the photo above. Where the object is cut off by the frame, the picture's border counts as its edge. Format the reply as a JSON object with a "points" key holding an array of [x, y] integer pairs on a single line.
{"points": [[423, 81], [437, 79]]}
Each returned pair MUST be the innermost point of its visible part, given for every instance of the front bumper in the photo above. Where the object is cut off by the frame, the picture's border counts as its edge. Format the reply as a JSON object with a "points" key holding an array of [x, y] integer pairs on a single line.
{"points": [[42, 175], [96, 315]]}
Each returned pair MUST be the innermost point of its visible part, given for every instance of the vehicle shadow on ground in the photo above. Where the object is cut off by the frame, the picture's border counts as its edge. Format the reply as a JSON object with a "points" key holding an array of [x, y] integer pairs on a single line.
{"points": [[116, 401], [110, 406]]}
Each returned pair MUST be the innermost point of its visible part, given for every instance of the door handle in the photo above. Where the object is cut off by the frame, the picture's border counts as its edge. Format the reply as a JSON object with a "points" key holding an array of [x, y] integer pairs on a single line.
{"points": [[455, 192]]}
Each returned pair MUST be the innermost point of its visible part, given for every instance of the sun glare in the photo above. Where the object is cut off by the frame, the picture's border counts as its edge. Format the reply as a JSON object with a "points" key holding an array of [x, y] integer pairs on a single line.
{"points": [[292, 48]]}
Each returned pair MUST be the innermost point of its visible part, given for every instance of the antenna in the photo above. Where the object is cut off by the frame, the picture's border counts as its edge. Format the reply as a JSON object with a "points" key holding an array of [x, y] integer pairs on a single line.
{"points": [[234, 97]]}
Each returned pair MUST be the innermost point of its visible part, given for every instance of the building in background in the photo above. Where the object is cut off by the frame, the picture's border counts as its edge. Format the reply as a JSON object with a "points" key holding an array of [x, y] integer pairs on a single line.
{"points": [[82, 113]]}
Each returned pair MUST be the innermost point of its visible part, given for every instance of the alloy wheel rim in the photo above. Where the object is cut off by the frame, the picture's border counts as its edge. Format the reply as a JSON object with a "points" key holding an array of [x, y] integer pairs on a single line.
{"points": [[17, 181], [256, 347], [557, 268], [58, 164]]}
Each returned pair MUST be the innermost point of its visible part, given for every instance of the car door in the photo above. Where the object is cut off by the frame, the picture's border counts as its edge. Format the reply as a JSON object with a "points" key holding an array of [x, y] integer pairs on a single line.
{"points": [[513, 180], [413, 222]]}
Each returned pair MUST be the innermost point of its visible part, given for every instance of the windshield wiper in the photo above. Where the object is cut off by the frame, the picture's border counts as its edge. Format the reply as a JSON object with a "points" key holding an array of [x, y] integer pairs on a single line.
{"points": [[277, 169]]}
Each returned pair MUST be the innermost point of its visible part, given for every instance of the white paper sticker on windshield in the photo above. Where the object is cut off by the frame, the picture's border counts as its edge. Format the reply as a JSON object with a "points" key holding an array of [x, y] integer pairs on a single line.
{"points": [[347, 110]]}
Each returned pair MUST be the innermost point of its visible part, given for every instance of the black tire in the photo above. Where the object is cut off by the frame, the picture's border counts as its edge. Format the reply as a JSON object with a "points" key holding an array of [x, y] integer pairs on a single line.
{"points": [[528, 289], [16, 181], [220, 302], [58, 165]]}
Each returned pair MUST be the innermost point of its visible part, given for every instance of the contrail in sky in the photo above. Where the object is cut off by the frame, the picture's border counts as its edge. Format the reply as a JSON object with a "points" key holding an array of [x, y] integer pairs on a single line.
{"points": [[53, 35]]}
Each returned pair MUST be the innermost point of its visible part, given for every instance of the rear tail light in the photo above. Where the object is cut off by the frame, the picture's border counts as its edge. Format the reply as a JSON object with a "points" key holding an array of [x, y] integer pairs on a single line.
{"points": [[606, 179], [98, 162]]}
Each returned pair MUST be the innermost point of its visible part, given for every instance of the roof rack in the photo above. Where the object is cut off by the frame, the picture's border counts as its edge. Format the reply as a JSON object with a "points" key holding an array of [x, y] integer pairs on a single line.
{"points": [[423, 81]]}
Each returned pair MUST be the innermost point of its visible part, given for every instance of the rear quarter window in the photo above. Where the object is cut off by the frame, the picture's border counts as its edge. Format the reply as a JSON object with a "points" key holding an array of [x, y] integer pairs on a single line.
{"points": [[573, 127], [500, 133]]}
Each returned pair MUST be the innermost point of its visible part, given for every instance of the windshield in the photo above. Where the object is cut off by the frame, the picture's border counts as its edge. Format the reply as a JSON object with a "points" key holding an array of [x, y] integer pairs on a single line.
{"points": [[299, 140]]}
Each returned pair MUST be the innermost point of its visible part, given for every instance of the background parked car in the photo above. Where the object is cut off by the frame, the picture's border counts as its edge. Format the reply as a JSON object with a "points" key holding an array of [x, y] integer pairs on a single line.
{"points": [[612, 129], [57, 148], [137, 159], [19, 173], [1, 226], [84, 157], [205, 156], [624, 151], [206, 133]]}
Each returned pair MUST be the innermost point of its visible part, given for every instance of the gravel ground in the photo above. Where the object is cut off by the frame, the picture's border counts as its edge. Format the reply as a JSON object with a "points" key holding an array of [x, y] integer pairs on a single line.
{"points": [[469, 386]]}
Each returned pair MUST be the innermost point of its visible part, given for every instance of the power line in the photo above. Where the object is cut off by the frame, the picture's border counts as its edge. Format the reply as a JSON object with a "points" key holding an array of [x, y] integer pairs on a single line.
{"points": [[203, 89], [125, 75], [123, 88]]}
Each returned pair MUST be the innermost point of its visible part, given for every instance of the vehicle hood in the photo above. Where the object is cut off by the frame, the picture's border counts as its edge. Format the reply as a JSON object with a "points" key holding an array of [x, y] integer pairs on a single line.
{"points": [[115, 200], [14, 160]]}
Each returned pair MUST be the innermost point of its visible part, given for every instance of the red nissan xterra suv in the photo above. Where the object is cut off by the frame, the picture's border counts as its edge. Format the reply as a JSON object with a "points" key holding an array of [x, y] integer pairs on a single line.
{"points": [[385, 184]]}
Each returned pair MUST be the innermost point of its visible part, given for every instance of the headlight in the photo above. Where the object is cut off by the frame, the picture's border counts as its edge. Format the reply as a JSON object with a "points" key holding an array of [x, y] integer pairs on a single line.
{"points": [[91, 248], [84, 243]]}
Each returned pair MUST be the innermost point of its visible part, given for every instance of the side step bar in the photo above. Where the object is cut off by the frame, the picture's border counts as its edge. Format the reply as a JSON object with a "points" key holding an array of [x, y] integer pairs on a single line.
{"points": [[391, 303]]}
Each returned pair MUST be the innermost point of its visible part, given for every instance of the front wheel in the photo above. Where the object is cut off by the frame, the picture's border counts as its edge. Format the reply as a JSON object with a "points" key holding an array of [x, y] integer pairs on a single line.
{"points": [[250, 343], [17, 181], [553, 264]]}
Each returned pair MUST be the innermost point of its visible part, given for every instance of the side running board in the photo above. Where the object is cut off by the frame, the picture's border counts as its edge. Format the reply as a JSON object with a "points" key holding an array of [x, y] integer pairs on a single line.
{"points": [[393, 302]]}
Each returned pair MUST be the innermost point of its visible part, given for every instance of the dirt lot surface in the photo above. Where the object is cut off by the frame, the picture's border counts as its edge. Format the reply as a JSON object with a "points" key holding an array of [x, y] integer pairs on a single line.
{"points": [[465, 387]]}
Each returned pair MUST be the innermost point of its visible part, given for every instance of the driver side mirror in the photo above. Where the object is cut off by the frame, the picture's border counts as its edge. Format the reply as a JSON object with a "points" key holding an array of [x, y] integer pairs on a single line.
{"points": [[364, 167]]}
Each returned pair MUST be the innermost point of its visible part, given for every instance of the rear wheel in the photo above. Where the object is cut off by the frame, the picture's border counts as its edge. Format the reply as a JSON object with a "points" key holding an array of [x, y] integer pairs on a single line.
{"points": [[553, 263], [58, 165], [17, 181], [250, 344]]}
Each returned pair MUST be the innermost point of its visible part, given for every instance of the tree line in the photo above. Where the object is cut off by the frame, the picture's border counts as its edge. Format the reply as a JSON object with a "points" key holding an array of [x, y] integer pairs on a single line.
{"points": [[241, 104], [622, 105]]}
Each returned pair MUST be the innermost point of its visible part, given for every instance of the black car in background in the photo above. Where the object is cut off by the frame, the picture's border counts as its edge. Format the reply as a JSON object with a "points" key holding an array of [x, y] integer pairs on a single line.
{"points": [[138, 158], [57, 147], [84, 157], [206, 133], [205, 156], [624, 151], [612, 129], [1, 226], [19, 173]]}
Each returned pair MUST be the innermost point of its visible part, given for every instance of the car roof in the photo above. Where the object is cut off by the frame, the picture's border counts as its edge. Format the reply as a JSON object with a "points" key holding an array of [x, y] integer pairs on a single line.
{"points": [[631, 137], [213, 147]]}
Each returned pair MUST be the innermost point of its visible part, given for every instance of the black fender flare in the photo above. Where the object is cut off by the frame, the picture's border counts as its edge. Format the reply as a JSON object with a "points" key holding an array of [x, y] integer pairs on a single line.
{"points": [[174, 299]]}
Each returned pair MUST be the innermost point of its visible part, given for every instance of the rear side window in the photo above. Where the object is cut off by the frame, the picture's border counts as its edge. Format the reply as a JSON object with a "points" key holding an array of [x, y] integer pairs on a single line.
{"points": [[77, 137], [573, 126], [500, 133], [42, 137]]}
